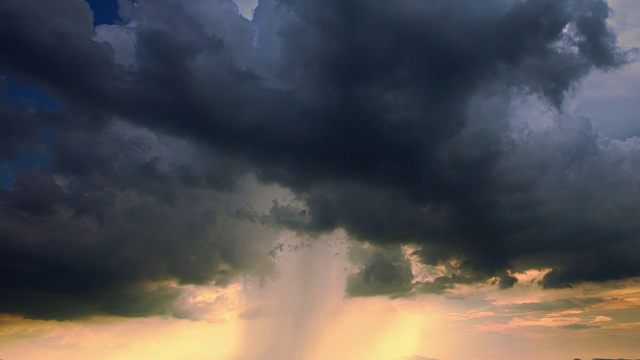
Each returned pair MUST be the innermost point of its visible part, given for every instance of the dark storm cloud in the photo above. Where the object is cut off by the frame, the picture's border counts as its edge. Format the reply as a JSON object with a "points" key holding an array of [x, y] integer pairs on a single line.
{"points": [[16, 129], [383, 272], [115, 228], [392, 120]]}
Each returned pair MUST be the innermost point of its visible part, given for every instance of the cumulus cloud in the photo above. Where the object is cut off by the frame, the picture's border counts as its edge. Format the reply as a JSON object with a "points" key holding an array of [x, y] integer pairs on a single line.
{"points": [[120, 224], [439, 125], [383, 272]]}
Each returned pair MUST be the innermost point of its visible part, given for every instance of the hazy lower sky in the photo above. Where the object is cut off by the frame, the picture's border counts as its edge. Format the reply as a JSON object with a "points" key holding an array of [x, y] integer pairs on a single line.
{"points": [[319, 179]]}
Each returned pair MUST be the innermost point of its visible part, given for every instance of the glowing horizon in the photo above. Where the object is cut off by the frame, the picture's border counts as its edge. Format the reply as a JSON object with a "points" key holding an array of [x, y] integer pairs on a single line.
{"points": [[302, 313]]}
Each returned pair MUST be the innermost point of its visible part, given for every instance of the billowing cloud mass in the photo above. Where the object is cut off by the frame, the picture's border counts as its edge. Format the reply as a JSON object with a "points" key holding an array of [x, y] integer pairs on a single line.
{"points": [[434, 125]]}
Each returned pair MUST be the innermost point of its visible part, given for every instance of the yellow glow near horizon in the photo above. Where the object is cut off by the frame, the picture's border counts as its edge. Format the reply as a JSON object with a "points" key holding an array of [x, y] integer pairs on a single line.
{"points": [[370, 329], [125, 340], [304, 314]]}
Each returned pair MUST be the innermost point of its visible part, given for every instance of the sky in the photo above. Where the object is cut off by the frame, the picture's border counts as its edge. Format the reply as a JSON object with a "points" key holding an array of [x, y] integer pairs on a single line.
{"points": [[319, 179]]}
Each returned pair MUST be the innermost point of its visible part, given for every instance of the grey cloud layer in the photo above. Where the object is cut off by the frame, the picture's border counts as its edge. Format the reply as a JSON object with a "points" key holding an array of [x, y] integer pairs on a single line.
{"points": [[397, 122], [122, 220]]}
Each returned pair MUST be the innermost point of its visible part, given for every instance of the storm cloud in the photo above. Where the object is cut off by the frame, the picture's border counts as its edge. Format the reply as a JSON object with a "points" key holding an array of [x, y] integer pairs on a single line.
{"points": [[438, 125]]}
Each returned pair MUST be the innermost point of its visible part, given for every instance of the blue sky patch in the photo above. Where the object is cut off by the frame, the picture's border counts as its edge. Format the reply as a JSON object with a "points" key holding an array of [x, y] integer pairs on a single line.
{"points": [[25, 96], [104, 12]]}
